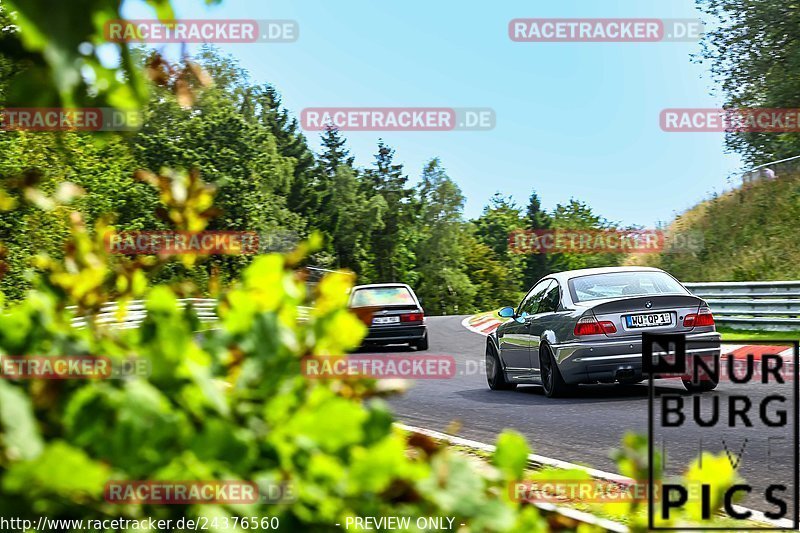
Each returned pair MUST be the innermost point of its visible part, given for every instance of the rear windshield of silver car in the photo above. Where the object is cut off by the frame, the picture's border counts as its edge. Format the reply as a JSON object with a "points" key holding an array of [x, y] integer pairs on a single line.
{"points": [[618, 284], [382, 296]]}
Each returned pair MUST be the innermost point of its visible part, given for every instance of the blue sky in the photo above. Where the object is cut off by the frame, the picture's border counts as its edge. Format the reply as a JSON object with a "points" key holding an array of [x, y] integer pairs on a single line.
{"points": [[573, 119]]}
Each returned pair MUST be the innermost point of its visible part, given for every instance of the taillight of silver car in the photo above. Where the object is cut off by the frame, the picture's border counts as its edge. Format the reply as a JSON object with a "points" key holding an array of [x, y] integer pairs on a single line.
{"points": [[589, 325], [703, 317]]}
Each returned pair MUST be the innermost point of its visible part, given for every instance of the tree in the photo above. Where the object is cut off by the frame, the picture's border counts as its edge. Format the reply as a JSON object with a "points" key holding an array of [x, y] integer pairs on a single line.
{"points": [[495, 285], [304, 191], [577, 215], [351, 218], [335, 152], [390, 244], [501, 217], [498, 219], [343, 198], [536, 265], [232, 151], [754, 51], [443, 283]]}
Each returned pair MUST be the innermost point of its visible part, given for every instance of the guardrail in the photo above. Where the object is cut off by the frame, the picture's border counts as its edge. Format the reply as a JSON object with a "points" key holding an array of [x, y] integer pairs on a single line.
{"points": [[135, 312], [754, 305], [771, 170]]}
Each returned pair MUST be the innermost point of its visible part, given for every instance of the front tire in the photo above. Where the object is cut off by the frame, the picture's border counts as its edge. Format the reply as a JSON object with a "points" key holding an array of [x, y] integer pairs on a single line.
{"points": [[553, 384], [495, 376]]}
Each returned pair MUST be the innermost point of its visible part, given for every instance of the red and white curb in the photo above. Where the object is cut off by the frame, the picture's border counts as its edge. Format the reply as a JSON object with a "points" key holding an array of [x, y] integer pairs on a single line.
{"points": [[482, 323], [740, 351]]}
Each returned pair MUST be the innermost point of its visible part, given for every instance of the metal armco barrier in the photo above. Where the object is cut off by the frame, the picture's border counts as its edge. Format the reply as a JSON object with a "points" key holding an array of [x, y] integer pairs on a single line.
{"points": [[752, 305], [135, 313], [205, 308]]}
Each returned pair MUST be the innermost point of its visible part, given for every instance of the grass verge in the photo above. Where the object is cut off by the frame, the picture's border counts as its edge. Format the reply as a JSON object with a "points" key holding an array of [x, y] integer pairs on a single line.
{"points": [[729, 334]]}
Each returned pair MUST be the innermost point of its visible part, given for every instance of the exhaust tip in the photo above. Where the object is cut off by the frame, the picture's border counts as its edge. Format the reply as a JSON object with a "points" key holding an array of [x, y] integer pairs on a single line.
{"points": [[625, 374]]}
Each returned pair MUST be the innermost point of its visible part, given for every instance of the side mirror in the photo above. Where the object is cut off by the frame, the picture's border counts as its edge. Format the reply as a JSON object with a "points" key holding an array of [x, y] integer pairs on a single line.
{"points": [[507, 312]]}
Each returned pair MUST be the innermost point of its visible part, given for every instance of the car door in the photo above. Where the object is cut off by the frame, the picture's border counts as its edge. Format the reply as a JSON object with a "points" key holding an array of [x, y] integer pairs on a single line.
{"points": [[542, 320], [515, 343]]}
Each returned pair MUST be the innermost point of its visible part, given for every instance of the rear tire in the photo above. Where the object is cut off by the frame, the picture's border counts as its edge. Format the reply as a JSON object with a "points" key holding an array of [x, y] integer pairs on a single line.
{"points": [[422, 344], [495, 376], [553, 384]]}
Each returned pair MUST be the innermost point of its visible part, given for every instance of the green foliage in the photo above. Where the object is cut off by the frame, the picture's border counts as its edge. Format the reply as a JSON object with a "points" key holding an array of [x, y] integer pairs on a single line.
{"points": [[499, 218], [439, 253], [577, 215], [393, 259], [754, 53], [537, 266], [506, 274], [496, 284], [228, 405], [632, 462], [351, 217], [744, 235], [56, 50], [511, 454]]}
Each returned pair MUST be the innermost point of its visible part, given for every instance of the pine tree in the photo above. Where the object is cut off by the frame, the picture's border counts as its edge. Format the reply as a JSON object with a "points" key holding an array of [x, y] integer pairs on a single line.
{"points": [[536, 265], [392, 256], [303, 195], [334, 152], [351, 217]]}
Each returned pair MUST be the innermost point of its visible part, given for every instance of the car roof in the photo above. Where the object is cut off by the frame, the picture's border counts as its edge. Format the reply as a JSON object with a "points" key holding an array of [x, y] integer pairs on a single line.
{"points": [[570, 274], [381, 285]]}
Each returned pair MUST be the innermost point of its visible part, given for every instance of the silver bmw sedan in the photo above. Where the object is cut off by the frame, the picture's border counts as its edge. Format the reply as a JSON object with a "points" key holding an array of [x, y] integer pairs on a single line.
{"points": [[585, 326]]}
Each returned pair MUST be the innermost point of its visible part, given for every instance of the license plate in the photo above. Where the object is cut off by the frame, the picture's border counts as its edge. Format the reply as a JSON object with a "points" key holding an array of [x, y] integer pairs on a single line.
{"points": [[649, 320], [386, 320]]}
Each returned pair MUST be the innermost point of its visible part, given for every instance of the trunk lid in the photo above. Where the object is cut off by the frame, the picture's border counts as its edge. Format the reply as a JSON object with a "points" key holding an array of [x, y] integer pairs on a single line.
{"points": [[632, 315]]}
